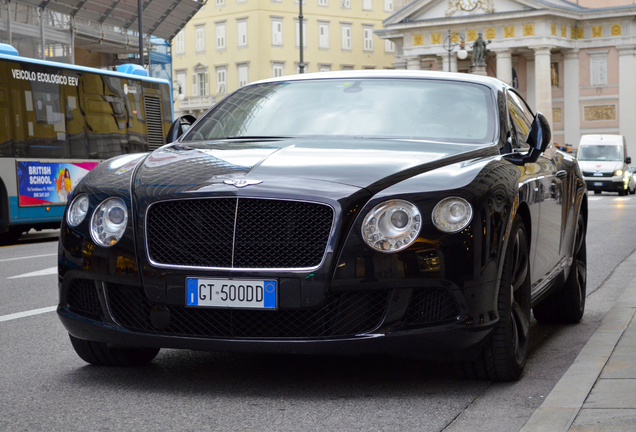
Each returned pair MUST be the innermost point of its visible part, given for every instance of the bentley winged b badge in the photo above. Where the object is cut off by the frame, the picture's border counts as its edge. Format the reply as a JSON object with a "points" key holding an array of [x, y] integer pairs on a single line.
{"points": [[241, 183]]}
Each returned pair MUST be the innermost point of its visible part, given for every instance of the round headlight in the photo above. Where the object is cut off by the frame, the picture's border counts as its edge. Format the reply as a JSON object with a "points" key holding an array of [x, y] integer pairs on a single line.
{"points": [[77, 210], [452, 214], [618, 172], [392, 226], [109, 222]]}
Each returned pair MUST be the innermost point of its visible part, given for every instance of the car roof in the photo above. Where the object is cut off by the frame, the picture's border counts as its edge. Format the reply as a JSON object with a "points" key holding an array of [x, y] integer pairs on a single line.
{"points": [[390, 73]]}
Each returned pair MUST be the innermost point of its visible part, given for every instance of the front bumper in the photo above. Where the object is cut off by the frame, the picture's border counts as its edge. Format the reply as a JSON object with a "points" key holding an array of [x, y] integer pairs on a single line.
{"points": [[429, 322], [607, 184]]}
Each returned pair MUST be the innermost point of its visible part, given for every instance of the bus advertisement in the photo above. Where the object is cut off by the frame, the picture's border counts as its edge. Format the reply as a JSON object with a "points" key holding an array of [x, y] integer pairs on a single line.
{"points": [[58, 121]]}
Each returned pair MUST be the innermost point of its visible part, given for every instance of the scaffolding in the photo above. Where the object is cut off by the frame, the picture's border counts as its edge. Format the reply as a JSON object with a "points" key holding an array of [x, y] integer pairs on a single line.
{"points": [[53, 30]]}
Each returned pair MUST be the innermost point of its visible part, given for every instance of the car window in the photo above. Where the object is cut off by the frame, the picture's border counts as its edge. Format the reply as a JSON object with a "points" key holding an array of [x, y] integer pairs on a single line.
{"points": [[395, 108], [520, 115]]}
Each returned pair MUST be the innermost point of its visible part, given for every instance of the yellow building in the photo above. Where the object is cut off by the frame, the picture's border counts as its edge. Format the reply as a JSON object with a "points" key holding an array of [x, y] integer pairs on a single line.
{"points": [[230, 43]]}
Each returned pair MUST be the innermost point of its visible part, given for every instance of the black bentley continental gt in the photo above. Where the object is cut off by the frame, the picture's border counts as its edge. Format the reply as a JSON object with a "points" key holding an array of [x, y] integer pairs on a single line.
{"points": [[402, 212]]}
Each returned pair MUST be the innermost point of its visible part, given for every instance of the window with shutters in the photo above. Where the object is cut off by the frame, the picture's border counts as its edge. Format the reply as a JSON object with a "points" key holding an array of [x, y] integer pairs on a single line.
{"points": [[221, 79], [345, 4], [367, 5], [179, 42], [298, 33], [323, 35], [598, 68], [367, 36], [200, 83], [243, 70], [277, 31], [388, 5], [199, 39], [346, 36], [278, 69], [220, 36], [241, 27], [324, 68], [219, 3], [389, 46], [324, 3]]}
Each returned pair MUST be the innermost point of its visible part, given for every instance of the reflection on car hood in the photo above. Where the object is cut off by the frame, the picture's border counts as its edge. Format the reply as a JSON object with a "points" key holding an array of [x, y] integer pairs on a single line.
{"points": [[362, 163], [603, 166]]}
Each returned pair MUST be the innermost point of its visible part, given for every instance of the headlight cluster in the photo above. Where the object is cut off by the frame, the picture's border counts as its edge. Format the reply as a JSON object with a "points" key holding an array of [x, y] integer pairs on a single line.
{"points": [[394, 225], [77, 210], [452, 214], [618, 172], [108, 223]]}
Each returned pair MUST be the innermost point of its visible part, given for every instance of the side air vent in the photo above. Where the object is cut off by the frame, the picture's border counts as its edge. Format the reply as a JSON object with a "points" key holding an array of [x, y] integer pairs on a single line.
{"points": [[153, 122]]}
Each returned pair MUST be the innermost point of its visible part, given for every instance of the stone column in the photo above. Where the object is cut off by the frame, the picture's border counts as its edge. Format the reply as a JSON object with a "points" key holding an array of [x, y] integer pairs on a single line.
{"points": [[543, 82], [504, 66], [530, 84], [627, 97], [413, 63], [400, 63], [571, 108]]}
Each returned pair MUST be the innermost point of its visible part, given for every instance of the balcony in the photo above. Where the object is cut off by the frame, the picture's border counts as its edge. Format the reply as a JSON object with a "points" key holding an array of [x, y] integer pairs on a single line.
{"points": [[195, 104]]}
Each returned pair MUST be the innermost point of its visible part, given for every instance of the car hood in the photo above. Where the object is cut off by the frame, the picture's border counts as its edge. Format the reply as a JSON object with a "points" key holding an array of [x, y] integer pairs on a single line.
{"points": [[603, 166], [363, 163]]}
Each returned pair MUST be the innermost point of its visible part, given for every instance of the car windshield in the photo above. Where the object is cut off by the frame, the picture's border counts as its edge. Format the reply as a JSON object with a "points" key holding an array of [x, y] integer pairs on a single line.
{"points": [[600, 153], [394, 108]]}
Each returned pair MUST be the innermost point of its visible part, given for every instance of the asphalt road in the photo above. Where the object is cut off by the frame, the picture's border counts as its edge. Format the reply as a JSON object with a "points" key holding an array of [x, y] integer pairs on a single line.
{"points": [[45, 386]]}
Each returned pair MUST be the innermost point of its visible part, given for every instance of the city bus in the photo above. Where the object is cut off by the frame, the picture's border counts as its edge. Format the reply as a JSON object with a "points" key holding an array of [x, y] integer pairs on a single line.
{"points": [[58, 121]]}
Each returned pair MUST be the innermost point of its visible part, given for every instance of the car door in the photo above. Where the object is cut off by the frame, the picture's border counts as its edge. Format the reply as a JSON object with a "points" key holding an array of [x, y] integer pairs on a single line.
{"points": [[545, 181]]}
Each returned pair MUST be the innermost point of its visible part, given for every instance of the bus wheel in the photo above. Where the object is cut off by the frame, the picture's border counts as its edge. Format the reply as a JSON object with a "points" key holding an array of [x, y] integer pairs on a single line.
{"points": [[10, 236]]}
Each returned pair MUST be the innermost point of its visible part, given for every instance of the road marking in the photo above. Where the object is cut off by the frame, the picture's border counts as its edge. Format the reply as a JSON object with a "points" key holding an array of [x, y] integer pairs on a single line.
{"points": [[27, 313], [27, 257], [47, 271]]}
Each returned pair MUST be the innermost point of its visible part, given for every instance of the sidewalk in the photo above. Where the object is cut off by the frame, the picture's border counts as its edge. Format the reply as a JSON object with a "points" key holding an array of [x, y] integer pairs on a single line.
{"points": [[598, 392]]}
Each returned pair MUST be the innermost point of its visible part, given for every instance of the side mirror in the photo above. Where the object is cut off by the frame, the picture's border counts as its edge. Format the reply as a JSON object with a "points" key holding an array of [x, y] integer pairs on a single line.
{"points": [[179, 127], [538, 138], [628, 160]]}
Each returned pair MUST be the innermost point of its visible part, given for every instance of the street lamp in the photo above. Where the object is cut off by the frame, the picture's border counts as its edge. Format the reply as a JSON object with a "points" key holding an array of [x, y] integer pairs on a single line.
{"points": [[449, 46], [180, 95], [301, 65]]}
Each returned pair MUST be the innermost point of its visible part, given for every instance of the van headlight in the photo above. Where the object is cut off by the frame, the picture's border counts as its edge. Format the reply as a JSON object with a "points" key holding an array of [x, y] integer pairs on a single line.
{"points": [[109, 222], [618, 172], [392, 226], [452, 214]]}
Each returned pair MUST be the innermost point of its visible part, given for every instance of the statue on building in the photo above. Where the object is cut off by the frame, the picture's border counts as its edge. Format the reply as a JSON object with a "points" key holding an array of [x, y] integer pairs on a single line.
{"points": [[554, 74], [479, 51]]}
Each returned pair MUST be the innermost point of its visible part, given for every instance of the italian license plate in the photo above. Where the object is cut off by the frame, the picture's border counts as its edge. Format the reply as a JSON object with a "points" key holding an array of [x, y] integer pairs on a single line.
{"points": [[598, 183], [232, 293]]}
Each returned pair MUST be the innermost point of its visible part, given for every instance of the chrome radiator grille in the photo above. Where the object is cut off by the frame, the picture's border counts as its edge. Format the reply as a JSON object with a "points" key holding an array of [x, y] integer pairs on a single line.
{"points": [[238, 233]]}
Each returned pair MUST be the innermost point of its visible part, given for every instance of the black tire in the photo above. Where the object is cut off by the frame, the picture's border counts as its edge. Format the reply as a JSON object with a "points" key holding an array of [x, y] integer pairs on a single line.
{"points": [[504, 357], [622, 192], [100, 354], [11, 236], [568, 304], [597, 192]]}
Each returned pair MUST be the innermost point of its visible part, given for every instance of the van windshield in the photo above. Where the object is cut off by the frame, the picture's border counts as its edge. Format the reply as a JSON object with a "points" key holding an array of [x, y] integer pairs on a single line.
{"points": [[600, 153]]}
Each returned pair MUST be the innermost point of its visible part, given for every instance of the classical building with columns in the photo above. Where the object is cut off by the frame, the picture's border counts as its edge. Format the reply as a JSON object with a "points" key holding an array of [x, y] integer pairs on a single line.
{"points": [[574, 63]]}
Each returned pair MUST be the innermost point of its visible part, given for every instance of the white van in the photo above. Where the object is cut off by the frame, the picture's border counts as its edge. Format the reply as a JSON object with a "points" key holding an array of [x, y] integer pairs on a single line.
{"points": [[604, 162]]}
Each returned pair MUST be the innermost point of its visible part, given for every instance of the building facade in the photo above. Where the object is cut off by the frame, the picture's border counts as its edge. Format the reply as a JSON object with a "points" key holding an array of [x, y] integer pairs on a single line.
{"points": [[230, 43], [574, 62]]}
